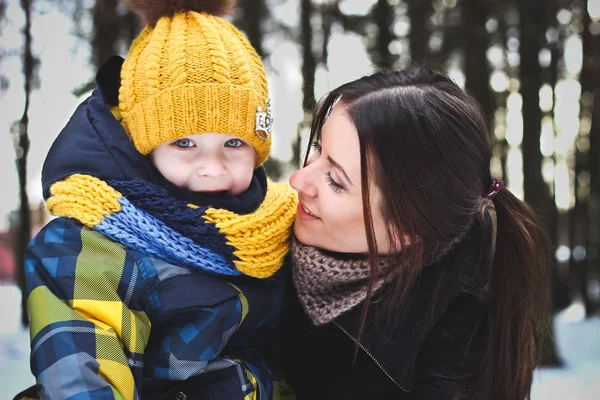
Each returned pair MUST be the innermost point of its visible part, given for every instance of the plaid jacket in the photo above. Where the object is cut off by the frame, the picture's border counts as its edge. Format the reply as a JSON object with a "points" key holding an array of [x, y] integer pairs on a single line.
{"points": [[98, 306]]}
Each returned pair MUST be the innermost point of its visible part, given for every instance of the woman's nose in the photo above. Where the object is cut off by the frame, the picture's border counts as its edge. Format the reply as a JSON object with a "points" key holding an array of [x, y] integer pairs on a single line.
{"points": [[303, 181]]}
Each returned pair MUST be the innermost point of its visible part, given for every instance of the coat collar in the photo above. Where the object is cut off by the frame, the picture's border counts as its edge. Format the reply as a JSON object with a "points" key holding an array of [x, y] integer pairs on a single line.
{"points": [[395, 348]]}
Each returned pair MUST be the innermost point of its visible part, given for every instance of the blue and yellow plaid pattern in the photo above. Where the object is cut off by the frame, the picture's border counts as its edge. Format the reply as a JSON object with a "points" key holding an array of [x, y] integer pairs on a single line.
{"points": [[93, 304]]}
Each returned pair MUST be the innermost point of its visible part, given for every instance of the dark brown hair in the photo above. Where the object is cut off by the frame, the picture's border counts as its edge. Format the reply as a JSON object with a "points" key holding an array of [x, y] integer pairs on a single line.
{"points": [[424, 142]]}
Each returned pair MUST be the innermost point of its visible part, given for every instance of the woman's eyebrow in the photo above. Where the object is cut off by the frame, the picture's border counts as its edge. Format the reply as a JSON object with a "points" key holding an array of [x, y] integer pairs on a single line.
{"points": [[339, 167]]}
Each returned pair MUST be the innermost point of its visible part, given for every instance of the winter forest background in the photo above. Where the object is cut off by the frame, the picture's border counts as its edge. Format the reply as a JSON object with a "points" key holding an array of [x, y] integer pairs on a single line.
{"points": [[533, 65]]}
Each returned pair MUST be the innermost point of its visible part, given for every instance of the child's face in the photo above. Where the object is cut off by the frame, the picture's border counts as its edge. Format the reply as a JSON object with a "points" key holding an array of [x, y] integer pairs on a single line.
{"points": [[207, 163]]}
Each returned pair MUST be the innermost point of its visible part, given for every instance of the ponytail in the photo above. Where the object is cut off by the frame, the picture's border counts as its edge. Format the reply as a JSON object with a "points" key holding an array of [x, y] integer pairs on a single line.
{"points": [[519, 306]]}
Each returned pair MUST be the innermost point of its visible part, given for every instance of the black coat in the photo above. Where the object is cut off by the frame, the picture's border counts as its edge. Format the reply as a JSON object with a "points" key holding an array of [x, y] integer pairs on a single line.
{"points": [[439, 337]]}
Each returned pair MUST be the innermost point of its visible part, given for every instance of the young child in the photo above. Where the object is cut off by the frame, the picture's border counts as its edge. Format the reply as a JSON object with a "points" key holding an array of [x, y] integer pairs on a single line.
{"points": [[159, 278]]}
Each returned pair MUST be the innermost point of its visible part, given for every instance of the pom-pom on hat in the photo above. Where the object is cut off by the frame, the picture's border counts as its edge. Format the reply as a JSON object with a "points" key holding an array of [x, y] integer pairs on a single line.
{"points": [[191, 72]]}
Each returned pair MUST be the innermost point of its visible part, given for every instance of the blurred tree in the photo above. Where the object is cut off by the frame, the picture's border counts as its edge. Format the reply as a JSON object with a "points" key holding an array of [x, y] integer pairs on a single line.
{"points": [[3, 80], [475, 44], [579, 221], [554, 42], [309, 66], [532, 29], [419, 12], [561, 231], [77, 9], [309, 60], [106, 31], [384, 17], [591, 97], [328, 12], [250, 16], [20, 133], [113, 30], [250, 19], [500, 35], [350, 23], [2, 11], [129, 27]]}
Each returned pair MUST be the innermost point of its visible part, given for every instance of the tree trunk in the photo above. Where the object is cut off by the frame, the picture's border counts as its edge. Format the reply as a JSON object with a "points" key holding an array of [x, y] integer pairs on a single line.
{"points": [[250, 21], [106, 31], [579, 221], [22, 149], [309, 66], [3, 80], [476, 43], [384, 18], [532, 27], [562, 222], [253, 14], [419, 12], [591, 54], [309, 62], [501, 10], [328, 15], [130, 27]]}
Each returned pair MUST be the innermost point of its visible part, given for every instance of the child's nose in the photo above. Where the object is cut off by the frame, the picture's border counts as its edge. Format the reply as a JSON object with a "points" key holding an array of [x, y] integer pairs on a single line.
{"points": [[209, 166]]}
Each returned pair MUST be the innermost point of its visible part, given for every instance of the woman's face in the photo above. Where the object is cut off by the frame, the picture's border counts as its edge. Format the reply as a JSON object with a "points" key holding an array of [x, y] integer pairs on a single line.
{"points": [[330, 211]]}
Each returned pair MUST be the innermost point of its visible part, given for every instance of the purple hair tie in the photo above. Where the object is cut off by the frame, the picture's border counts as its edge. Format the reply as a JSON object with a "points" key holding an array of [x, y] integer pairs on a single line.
{"points": [[495, 187]]}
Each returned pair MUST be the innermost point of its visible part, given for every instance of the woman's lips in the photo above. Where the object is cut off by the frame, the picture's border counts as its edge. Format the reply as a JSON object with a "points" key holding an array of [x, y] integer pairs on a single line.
{"points": [[304, 213]]}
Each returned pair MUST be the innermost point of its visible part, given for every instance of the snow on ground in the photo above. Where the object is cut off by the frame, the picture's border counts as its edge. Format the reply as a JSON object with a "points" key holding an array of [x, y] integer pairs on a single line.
{"points": [[15, 375], [578, 342], [579, 345]]}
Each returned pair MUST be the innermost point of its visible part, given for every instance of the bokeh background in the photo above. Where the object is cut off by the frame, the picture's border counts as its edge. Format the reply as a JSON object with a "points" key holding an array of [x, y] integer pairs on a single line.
{"points": [[533, 65]]}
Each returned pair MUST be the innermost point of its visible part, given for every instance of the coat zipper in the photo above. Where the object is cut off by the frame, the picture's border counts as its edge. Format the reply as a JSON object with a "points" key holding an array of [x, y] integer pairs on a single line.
{"points": [[372, 357], [240, 370]]}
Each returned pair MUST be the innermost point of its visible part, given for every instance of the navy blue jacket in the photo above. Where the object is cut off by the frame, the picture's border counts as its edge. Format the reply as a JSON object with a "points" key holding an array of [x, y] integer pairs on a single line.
{"points": [[111, 322]]}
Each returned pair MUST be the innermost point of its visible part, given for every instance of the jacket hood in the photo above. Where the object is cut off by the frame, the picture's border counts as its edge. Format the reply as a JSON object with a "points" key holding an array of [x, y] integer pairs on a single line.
{"points": [[93, 141]]}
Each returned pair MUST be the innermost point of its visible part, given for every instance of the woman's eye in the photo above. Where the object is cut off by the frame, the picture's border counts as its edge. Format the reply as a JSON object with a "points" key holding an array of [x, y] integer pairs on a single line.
{"points": [[184, 143], [234, 143], [336, 187]]}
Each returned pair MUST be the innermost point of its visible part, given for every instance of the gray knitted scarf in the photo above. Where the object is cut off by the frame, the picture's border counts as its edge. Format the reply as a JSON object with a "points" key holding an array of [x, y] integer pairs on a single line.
{"points": [[329, 284]]}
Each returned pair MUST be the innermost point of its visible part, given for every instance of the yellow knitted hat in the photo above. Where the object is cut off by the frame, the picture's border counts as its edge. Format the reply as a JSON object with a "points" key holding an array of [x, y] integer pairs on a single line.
{"points": [[190, 71]]}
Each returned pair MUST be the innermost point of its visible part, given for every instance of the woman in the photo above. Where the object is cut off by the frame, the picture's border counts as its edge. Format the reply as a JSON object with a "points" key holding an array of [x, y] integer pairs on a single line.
{"points": [[416, 275]]}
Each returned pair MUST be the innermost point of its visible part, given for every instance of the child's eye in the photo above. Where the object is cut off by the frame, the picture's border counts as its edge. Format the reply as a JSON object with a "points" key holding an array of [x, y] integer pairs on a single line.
{"points": [[234, 143], [183, 143]]}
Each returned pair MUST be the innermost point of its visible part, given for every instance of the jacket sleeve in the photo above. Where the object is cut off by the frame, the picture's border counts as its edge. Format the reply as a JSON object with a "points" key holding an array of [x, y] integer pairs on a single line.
{"points": [[451, 351], [88, 325]]}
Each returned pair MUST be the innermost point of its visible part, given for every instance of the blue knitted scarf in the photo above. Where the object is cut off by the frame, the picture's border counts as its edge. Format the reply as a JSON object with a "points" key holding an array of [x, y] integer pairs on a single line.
{"points": [[156, 220]]}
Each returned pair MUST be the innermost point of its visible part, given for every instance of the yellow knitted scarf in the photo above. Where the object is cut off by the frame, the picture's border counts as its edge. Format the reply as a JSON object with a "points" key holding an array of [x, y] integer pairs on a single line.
{"points": [[259, 240]]}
